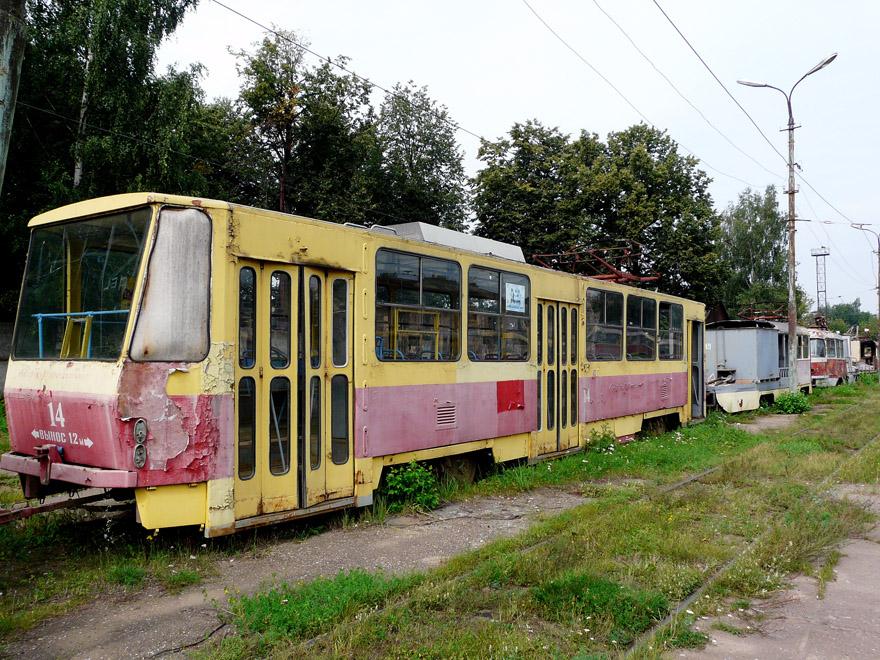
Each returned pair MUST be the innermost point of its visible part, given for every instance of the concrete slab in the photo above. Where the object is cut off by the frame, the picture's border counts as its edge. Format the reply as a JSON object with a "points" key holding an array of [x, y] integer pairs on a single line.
{"points": [[799, 625]]}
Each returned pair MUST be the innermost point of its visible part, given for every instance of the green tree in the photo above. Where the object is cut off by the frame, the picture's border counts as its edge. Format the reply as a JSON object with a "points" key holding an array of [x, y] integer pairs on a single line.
{"points": [[754, 249], [844, 316], [644, 190], [89, 110], [335, 160], [422, 175], [547, 194], [527, 192], [315, 128], [271, 94]]}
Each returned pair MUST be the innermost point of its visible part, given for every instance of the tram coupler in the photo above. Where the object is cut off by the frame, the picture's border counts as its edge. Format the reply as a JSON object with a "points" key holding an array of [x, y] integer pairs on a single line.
{"points": [[47, 455]]}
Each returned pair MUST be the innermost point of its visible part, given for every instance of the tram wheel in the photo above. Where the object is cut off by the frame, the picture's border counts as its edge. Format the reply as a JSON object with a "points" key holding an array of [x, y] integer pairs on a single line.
{"points": [[462, 469]]}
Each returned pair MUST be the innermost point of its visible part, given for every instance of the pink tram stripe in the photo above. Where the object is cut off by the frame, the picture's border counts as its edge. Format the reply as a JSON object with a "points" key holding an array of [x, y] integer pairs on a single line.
{"points": [[605, 397], [405, 418], [389, 420]]}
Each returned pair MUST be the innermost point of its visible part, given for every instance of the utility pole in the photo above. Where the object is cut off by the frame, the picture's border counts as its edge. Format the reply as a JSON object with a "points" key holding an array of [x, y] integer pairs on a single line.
{"points": [[792, 302], [13, 31]]}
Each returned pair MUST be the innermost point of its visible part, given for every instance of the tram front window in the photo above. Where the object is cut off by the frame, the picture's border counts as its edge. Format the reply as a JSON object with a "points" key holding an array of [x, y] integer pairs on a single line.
{"points": [[78, 286]]}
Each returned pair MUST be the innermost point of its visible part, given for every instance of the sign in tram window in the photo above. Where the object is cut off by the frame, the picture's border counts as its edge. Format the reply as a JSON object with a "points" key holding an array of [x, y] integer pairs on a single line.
{"points": [[641, 328], [670, 337], [418, 307], [604, 325], [498, 327]]}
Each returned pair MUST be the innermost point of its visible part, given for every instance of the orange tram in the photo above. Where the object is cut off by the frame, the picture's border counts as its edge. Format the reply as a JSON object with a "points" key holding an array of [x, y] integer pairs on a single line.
{"points": [[230, 367]]}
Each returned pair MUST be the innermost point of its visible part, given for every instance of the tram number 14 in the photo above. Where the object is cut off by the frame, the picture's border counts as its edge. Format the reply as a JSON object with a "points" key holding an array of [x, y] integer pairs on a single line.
{"points": [[56, 415]]}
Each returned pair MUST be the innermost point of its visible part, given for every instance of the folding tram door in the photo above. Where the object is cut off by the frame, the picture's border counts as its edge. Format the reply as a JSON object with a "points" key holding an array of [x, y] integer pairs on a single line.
{"points": [[293, 379], [557, 358], [696, 371]]}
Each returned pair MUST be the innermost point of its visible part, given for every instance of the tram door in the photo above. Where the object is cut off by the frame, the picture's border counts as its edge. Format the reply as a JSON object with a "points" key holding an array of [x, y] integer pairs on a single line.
{"points": [[697, 379], [557, 353], [328, 466], [285, 424]]}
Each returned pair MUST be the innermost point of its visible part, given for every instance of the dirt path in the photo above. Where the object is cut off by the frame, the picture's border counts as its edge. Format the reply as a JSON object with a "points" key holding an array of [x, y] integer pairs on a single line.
{"points": [[154, 624], [798, 624]]}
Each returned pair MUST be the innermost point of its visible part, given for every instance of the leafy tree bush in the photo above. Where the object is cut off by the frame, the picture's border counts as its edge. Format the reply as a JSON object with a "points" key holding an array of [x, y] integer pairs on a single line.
{"points": [[792, 404], [411, 485]]}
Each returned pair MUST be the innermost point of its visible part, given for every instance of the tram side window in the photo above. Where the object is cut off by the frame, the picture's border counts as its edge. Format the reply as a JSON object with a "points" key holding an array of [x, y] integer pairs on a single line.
{"points": [[247, 317], [498, 315], [831, 345], [174, 317], [641, 328], [418, 307], [803, 348], [604, 325], [247, 428], [670, 337]]}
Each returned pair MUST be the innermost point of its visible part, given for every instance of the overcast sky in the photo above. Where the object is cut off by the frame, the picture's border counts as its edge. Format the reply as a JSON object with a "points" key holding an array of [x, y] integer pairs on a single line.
{"points": [[493, 63]]}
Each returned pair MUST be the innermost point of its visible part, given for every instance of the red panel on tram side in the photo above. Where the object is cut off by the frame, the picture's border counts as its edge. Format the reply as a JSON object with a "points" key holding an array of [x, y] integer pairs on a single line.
{"points": [[511, 395], [390, 420], [605, 397]]}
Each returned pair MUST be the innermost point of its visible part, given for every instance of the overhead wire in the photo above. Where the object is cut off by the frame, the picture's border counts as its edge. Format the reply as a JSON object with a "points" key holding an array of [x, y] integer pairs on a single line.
{"points": [[718, 80], [455, 125], [681, 94], [622, 95], [842, 264]]}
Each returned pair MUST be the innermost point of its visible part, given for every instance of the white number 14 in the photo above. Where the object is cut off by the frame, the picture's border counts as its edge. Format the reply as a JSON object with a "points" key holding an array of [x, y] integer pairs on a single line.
{"points": [[56, 415]]}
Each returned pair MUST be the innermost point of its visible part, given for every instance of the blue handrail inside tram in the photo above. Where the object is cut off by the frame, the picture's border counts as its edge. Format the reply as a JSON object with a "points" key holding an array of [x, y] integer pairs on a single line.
{"points": [[66, 315]]}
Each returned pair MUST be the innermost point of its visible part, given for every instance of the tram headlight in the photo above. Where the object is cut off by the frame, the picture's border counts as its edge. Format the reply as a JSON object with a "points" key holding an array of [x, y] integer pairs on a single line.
{"points": [[140, 431], [140, 456]]}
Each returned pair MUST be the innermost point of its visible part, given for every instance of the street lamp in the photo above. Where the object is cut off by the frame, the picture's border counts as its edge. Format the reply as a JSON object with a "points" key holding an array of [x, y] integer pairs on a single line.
{"points": [[792, 303]]}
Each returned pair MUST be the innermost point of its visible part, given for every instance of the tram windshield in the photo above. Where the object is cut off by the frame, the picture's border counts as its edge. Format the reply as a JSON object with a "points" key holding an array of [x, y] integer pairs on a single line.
{"points": [[78, 287]]}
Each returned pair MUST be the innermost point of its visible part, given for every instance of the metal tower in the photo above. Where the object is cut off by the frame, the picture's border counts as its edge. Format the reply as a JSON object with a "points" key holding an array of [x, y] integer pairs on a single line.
{"points": [[821, 289]]}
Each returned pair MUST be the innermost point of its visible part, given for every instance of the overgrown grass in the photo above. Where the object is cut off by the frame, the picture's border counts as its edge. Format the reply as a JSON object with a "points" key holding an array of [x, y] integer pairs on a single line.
{"points": [[584, 584], [589, 582]]}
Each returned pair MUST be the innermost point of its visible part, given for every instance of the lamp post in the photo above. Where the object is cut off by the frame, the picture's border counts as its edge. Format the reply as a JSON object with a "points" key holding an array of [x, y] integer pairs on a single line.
{"points": [[792, 303], [861, 226]]}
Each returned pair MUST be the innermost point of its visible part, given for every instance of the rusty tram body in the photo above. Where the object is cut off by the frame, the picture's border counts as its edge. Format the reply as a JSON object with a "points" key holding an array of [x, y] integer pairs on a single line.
{"points": [[230, 367]]}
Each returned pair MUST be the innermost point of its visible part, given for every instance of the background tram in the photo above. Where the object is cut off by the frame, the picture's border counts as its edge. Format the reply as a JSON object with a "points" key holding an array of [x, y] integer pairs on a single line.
{"points": [[747, 363], [831, 362], [233, 367]]}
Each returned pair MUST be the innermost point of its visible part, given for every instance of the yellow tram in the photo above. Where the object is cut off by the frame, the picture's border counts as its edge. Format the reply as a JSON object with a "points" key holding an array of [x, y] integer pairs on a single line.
{"points": [[234, 367]]}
